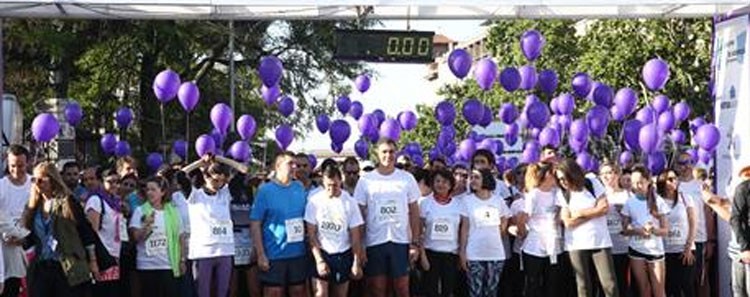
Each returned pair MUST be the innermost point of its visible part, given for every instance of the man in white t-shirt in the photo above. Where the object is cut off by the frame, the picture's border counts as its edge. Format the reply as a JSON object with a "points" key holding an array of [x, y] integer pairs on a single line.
{"points": [[485, 159], [461, 174], [388, 200], [304, 172], [14, 194], [705, 236]]}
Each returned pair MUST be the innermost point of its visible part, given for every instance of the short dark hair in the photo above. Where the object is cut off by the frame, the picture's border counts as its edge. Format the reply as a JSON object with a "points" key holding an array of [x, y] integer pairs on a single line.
{"points": [[326, 163], [301, 155], [549, 147], [437, 159], [218, 168], [163, 184], [332, 171], [459, 165], [422, 175], [488, 180], [18, 150], [70, 164], [385, 140], [351, 161], [284, 154], [445, 174], [486, 153]]}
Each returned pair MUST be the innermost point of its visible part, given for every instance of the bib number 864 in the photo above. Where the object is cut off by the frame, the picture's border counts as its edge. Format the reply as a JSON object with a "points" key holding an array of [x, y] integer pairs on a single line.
{"points": [[219, 230]]}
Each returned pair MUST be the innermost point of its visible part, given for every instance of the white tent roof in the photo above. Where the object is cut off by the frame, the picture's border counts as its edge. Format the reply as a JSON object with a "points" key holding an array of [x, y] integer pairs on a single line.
{"points": [[378, 9]]}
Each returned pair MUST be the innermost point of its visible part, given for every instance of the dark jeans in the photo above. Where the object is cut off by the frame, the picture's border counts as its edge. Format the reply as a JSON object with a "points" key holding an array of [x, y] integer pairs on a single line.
{"points": [[441, 279], [582, 260], [679, 276], [158, 283], [46, 279], [12, 286], [542, 278]]}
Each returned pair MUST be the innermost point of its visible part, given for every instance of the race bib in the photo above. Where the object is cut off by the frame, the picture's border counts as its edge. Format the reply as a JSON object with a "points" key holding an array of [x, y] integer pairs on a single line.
{"points": [[487, 216], [614, 224], [295, 231], [242, 247], [331, 228], [221, 231], [156, 244], [675, 236], [123, 229], [388, 211], [442, 229]]}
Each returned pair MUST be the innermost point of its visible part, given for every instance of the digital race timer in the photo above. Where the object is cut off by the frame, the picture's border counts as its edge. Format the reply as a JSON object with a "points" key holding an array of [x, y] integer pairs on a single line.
{"points": [[384, 46]]}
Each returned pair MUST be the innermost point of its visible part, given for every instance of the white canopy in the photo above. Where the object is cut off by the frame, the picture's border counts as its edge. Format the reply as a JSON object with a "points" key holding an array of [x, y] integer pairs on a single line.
{"points": [[351, 9]]}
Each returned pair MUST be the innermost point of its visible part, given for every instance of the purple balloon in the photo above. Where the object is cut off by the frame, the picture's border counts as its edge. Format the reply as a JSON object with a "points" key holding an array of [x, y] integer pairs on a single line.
{"points": [[681, 111], [408, 120], [390, 129], [485, 73], [678, 136], [459, 62], [626, 158], [379, 115], [122, 148], [510, 79], [368, 124], [486, 117], [581, 84], [617, 113], [579, 130], [322, 122], [337, 148], [707, 137], [646, 115], [73, 113], [512, 130], [284, 136], [585, 160], [108, 143], [660, 103], [553, 107], [666, 121], [657, 162], [548, 81], [626, 100], [221, 116], [566, 103], [696, 123], [361, 148], [356, 110], [343, 104], [603, 95], [466, 149], [530, 155], [312, 160], [240, 151], [598, 120], [512, 162], [534, 133], [218, 137], [188, 95], [286, 106], [538, 114], [449, 132], [340, 131], [154, 161], [508, 113], [630, 132], [449, 149], [362, 83], [270, 70], [179, 147], [648, 138], [693, 154], [577, 145], [487, 144], [704, 156], [445, 113], [123, 117], [528, 77], [594, 85], [270, 94], [246, 126], [549, 136], [165, 85], [532, 43], [655, 74], [473, 111], [565, 121]]}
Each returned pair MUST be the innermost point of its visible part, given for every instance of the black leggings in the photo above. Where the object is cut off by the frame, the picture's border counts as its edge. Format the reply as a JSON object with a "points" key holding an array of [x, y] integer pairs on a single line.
{"points": [[512, 281], [679, 276], [622, 263], [542, 278], [158, 283], [441, 279]]}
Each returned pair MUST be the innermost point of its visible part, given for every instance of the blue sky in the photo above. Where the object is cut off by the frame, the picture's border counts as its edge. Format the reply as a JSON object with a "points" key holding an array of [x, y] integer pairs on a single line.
{"points": [[396, 87]]}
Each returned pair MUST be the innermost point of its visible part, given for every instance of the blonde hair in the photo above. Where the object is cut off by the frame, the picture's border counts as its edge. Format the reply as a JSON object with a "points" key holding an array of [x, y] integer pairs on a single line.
{"points": [[535, 174], [59, 191]]}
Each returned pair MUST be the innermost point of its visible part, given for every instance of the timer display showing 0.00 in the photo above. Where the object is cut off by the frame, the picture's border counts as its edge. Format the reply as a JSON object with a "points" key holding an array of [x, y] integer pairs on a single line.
{"points": [[408, 46]]}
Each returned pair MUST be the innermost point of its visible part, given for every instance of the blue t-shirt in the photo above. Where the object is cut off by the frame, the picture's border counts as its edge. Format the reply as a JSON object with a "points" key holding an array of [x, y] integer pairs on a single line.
{"points": [[280, 207]]}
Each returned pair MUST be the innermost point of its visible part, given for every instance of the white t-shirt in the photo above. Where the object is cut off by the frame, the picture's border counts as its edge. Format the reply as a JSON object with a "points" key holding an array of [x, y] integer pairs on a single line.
{"points": [[589, 235], [544, 236], [111, 225], [639, 214], [179, 201], [597, 185], [13, 201], [387, 198], [441, 224], [334, 217], [692, 190], [211, 227], [485, 242], [679, 227], [616, 202], [153, 252], [501, 190], [516, 207]]}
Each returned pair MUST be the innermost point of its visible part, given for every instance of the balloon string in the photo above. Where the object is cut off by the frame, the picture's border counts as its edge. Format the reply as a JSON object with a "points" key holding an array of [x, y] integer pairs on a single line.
{"points": [[163, 132], [187, 138]]}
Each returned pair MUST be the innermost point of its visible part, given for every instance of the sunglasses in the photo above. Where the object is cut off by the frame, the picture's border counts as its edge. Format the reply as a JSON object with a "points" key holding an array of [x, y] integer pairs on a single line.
{"points": [[129, 185]]}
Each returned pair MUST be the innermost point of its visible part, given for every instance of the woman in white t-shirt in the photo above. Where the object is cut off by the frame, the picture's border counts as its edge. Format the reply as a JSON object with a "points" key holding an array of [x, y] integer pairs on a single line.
{"points": [[211, 243], [610, 173], [334, 228], [540, 222], [484, 219], [441, 215], [646, 224], [586, 234], [104, 211], [513, 275], [679, 244], [156, 227]]}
